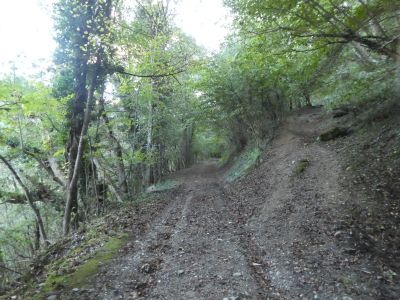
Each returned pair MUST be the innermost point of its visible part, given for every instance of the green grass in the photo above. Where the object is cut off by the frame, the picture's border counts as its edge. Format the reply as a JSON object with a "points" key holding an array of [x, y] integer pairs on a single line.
{"points": [[245, 162]]}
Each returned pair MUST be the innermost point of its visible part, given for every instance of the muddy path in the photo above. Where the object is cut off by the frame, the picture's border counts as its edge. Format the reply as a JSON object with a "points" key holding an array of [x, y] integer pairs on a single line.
{"points": [[274, 234]]}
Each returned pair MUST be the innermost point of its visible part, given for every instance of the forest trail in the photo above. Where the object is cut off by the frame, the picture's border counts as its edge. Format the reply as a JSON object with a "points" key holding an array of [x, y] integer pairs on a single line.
{"points": [[273, 235]]}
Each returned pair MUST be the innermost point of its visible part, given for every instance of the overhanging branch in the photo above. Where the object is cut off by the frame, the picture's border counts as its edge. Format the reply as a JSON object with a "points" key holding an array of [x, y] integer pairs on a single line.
{"points": [[152, 75]]}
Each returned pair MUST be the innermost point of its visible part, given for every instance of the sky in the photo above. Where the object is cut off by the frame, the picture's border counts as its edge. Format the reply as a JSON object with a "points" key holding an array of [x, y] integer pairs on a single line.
{"points": [[206, 20], [26, 36]]}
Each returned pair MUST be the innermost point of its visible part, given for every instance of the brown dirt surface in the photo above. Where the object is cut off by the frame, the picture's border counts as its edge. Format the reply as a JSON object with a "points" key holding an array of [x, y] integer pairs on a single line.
{"points": [[277, 233]]}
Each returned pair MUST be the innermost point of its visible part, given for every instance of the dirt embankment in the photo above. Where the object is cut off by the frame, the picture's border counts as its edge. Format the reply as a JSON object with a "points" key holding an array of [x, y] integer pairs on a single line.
{"points": [[282, 232]]}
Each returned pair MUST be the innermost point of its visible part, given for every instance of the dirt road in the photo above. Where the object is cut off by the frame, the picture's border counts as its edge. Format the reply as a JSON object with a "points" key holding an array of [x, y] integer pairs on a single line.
{"points": [[275, 234], [192, 250]]}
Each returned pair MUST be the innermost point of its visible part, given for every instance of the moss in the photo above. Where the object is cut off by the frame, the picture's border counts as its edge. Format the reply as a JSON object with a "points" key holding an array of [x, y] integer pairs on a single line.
{"points": [[76, 250], [225, 158], [247, 160], [84, 272], [301, 166]]}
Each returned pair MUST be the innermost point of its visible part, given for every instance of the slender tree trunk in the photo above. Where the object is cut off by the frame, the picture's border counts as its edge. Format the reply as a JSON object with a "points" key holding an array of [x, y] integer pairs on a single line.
{"points": [[118, 151], [30, 200], [111, 186], [148, 179], [77, 119], [37, 237], [307, 97], [72, 187], [186, 159]]}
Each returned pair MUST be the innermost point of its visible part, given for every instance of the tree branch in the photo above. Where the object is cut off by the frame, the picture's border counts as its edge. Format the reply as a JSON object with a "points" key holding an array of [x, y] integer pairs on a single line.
{"points": [[11, 270], [47, 166], [152, 75], [29, 198]]}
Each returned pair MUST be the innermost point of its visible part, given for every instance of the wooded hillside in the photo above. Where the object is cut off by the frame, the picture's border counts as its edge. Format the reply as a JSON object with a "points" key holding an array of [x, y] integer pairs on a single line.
{"points": [[132, 98]]}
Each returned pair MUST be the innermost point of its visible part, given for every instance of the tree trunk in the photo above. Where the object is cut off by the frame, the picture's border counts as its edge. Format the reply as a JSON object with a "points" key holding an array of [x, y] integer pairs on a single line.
{"points": [[77, 119], [37, 237], [148, 175], [118, 151], [30, 200], [72, 187], [187, 146], [307, 97], [111, 186]]}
